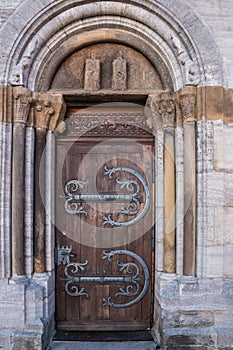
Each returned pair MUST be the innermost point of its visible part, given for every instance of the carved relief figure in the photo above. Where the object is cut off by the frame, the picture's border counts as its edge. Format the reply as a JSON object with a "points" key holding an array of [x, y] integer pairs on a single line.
{"points": [[190, 68], [167, 111], [92, 74], [22, 106], [119, 76]]}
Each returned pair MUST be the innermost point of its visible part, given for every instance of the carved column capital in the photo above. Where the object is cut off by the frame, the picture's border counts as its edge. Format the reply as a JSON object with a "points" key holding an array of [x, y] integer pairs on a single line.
{"points": [[188, 104], [49, 110], [167, 110], [22, 104], [160, 111]]}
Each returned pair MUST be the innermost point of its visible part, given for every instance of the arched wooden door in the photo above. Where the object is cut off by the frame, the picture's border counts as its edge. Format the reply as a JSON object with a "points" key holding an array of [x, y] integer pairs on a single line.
{"points": [[104, 235]]}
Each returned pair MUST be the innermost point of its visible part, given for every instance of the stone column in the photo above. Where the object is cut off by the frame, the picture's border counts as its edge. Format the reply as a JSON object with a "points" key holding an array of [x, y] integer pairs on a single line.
{"points": [[49, 109], [29, 197], [21, 111], [168, 112], [6, 117], [187, 98], [161, 114]]}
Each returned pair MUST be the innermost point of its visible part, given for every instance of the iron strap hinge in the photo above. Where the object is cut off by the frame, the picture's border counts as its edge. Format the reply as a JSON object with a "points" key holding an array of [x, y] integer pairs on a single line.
{"points": [[133, 207], [131, 272]]}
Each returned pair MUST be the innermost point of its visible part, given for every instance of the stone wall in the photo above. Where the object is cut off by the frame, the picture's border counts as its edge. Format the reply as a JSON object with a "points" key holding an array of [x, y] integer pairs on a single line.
{"points": [[6, 9], [193, 306], [196, 311], [217, 15]]}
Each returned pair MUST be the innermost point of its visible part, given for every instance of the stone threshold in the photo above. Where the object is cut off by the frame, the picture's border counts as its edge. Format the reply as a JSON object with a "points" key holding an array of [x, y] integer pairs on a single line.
{"points": [[106, 336], [77, 345]]}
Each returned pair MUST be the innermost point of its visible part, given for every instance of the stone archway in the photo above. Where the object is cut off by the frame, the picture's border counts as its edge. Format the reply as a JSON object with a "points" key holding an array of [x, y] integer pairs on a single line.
{"points": [[35, 51], [55, 30]]}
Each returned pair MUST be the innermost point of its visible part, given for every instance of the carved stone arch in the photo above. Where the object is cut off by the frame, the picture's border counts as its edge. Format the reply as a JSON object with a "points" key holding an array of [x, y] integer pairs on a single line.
{"points": [[35, 40], [123, 36], [173, 29]]}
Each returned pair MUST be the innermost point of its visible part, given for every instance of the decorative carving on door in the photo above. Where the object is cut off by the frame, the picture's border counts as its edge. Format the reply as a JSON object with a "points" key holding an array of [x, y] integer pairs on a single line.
{"points": [[111, 124], [74, 200]]}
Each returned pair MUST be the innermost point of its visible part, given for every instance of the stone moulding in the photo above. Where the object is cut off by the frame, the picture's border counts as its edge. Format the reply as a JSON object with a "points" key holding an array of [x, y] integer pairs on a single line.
{"points": [[49, 25]]}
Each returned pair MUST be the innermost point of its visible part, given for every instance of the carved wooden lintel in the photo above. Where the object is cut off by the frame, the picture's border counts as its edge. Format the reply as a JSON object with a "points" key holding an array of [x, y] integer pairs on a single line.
{"points": [[111, 124], [48, 110]]}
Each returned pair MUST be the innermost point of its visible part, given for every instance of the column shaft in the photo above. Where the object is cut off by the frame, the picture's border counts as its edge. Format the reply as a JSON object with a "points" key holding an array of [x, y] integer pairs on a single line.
{"points": [[39, 211], [169, 202], [18, 199], [189, 199]]}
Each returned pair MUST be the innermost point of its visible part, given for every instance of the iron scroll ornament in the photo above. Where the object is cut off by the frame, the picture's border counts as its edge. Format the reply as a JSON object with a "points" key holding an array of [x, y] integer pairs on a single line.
{"points": [[131, 278], [74, 201]]}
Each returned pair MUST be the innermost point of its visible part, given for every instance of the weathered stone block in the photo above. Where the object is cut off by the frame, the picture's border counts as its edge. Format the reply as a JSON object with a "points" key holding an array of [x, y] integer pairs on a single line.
{"points": [[223, 318], [223, 148], [189, 339], [26, 341], [225, 338], [214, 184], [186, 319], [228, 105], [228, 194], [214, 102], [5, 343]]}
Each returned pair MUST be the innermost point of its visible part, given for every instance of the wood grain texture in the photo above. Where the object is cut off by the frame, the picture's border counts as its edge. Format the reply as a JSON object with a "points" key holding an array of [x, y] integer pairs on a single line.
{"points": [[85, 160]]}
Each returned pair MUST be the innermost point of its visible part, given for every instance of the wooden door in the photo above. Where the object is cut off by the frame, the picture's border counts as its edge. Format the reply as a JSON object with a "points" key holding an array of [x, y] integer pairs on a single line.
{"points": [[104, 254]]}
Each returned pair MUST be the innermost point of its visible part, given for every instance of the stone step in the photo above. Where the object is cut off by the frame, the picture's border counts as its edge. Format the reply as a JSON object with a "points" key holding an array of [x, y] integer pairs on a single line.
{"points": [[124, 345]]}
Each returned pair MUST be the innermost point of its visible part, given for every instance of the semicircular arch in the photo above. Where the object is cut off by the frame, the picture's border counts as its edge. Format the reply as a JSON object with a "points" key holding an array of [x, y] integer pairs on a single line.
{"points": [[169, 34]]}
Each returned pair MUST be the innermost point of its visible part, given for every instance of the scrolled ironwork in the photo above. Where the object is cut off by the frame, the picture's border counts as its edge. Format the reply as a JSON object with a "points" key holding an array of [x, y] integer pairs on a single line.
{"points": [[70, 288], [134, 206], [132, 289], [135, 279], [131, 278], [73, 203]]}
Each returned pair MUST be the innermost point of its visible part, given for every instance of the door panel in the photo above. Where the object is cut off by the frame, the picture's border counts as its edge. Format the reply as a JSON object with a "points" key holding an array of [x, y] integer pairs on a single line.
{"points": [[105, 283]]}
